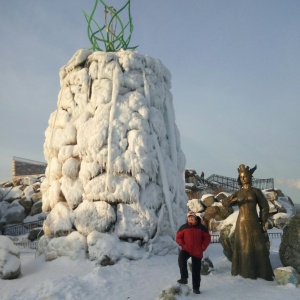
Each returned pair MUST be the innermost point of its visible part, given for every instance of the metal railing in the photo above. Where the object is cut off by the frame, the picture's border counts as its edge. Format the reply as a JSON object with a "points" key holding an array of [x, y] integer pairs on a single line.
{"points": [[20, 229], [28, 245], [215, 238], [274, 235], [231, 184]]}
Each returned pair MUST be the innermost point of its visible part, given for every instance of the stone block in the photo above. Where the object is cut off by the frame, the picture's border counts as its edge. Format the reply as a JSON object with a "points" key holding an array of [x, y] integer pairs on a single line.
{"points": [[286, 275]]}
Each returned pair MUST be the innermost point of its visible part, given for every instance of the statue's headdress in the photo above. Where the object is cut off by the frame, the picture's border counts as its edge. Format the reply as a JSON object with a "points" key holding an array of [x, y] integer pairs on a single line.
{"points": [[243, 169]]}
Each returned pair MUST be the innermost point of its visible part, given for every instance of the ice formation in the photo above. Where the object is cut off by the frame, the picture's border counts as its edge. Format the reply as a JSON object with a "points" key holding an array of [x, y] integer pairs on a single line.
{"points": [[115, 163]]}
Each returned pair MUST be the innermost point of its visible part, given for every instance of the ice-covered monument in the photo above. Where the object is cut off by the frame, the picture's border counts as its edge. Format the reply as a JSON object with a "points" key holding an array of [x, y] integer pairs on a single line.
{"points": [[114, 182]]}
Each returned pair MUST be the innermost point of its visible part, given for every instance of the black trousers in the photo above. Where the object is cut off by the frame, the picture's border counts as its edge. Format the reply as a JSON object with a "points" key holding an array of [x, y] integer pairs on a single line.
{"points": [[196, 268]]}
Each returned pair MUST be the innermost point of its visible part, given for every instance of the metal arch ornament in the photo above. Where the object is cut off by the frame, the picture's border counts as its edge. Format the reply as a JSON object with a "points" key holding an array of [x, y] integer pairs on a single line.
{"points": [[107, 34]]}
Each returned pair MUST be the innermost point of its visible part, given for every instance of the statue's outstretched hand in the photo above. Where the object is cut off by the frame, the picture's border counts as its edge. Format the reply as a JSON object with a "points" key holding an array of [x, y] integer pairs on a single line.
{"points": [[265, 227]]}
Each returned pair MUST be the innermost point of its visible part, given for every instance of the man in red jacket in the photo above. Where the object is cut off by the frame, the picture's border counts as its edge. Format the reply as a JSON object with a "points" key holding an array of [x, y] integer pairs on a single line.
{"points": [[193, 238]]}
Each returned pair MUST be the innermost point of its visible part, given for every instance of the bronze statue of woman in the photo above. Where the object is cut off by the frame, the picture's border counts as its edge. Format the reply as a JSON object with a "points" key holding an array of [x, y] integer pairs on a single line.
{"points": [[250, 257]]}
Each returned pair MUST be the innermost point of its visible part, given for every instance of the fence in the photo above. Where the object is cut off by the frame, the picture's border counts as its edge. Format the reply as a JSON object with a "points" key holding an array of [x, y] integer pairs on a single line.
{"points": [[215, 239], [20, 229], [231, 184], [28, 245]]}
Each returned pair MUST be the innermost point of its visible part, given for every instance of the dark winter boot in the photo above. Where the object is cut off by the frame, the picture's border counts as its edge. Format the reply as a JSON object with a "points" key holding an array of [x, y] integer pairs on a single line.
{"points": [[196, 291], [182, 281]]}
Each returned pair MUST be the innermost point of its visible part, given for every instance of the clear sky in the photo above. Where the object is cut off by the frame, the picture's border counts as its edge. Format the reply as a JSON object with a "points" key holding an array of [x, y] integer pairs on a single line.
{"points": [[235, 68]]}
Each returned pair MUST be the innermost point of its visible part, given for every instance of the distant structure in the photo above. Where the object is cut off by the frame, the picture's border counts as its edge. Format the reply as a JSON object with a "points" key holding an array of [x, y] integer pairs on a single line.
{"points": [[22, 167], [231, 184], [196, 185]]}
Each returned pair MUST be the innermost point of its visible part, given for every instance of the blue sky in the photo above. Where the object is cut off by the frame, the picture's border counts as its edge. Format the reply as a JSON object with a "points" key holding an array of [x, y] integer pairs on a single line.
{"points": [[235, 68]]}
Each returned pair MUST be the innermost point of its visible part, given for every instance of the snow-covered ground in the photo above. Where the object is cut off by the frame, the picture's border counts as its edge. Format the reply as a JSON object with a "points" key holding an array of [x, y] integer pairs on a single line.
{"points": [[144, 279]]}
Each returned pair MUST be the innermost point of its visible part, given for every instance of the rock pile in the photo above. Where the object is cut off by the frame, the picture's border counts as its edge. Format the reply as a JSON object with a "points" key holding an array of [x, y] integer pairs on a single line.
{"points": [[113, 150], [21, 201]]}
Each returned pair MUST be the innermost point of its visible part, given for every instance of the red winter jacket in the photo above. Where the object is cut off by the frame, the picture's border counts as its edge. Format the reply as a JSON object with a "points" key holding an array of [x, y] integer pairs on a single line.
{"points": [[193, 238]]}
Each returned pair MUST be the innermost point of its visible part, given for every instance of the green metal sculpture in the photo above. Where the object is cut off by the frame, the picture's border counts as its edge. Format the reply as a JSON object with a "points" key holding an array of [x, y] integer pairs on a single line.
{"points": [[107, 34]]}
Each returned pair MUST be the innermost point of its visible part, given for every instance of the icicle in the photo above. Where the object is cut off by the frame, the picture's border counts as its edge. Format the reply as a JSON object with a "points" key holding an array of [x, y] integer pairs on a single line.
{"points": [[171, 129], [159, 221], [172, 137], [146, 88], [114, 96], [160, 160], [164, 179]]}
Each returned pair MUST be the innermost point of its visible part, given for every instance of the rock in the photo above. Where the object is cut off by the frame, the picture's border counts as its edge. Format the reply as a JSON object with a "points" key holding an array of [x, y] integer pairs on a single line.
{"points": [[100, 217], [286, 275], [227, 240], [164, 245], [206, 266], [7, 184], [208, 200], [172, 292], [195, 205], [36, 208], [28, 192], [279, 207], [28, 180], [10, 264], [280, 220], [15, 213], [36, 197], [222, 196], [213, 225], [279, 193], [271, 195], [27, 204], [218, 213], [3, 210], [215, 213], [2, 228], [42, 245], [108, 248], [35, 233], [106, 261], [12, 193], [194, 194], [289, 250], [54, 228], [74, 246], [192, 180], [36, 187]]}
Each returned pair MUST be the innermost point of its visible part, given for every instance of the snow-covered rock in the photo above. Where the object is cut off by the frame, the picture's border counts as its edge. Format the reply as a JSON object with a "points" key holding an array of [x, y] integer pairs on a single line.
{"points": [[208, 199], [73, 245], [10, 264], [15, 213], [287, 275], [289, 251], [104, 247]]}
